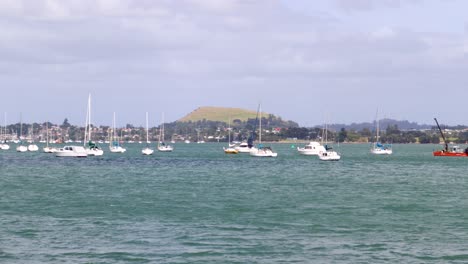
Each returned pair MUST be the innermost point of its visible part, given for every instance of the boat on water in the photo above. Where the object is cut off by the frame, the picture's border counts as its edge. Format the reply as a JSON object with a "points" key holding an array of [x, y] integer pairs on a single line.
{"points": [[47, 148], [147, 150], [377, 147], [230, 149], [243, 147], [162, 146], [453, 151], [32, 147], [71, 151], [329, 154], [114, 144], [21, 147], [3, 132], [91, 148], [311, 149], [260, 150]]}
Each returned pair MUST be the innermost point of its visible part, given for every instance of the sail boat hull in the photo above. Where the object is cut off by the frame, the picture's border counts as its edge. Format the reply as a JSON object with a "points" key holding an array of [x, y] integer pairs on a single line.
{"points": [[441, 153], [380, 151]]}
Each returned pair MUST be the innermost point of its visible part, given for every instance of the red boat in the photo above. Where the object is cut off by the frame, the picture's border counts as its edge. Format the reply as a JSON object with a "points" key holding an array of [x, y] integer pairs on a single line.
{"points": [[454, 151]]}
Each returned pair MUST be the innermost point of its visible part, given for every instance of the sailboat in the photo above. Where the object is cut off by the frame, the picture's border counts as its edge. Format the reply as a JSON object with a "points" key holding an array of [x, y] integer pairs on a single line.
{"points": [[162, 146], [329, 154], [48, 149], [230, 149], [147, 150], [377, 147], [114, 144], [3, 143], [92, 149], [21, 147], [32, 147], [260, 150]]}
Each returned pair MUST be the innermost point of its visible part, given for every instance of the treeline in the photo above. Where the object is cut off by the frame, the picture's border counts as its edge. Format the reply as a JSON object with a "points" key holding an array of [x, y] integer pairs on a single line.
{"points": [[274, 129]]}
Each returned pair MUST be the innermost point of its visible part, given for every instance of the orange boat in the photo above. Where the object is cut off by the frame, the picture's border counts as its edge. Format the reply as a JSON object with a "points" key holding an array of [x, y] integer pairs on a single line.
{"points": [[454, 151]]}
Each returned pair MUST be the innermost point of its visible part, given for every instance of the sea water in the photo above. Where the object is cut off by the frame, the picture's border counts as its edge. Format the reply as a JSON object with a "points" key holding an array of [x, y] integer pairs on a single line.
{"points": [[199, 205]]}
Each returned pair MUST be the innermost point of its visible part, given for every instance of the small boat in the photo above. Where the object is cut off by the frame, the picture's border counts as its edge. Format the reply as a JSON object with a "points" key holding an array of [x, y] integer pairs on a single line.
{"points": [[162, 146], [377, 147], [243, 147], [261, 151], [329, 154], [230, 149], [32, 147], [21, 147], [313, 148], [92, 149], [114, 144], [147, 150], [3, 132], [454, 151], [71, 151]]}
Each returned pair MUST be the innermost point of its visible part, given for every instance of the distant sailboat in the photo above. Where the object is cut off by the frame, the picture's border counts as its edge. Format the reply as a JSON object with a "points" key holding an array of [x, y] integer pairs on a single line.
{"points": [[114, 144], [92, 149], [162, 146], [32, 147], [3, 132], [260, 150], [329, 154], [48, 149], [377, 147], [147, 150], [21, 147], [230, 149]]}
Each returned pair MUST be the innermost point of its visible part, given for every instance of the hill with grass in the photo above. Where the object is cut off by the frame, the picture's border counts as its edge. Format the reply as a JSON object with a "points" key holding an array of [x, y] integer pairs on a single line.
{"points": [[236, 115], [221, 114]]}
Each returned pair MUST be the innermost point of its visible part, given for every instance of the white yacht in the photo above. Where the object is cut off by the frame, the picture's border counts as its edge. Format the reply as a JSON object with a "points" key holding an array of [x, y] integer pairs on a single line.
{"points": [[147, 150], [260, 150], [114, 144], [162, 146], [91, 148], [71, 151], [313, 148]]}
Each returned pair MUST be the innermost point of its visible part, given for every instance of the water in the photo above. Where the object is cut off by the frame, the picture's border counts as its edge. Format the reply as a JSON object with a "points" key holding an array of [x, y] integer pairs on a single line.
{"points": [[198, 205]]}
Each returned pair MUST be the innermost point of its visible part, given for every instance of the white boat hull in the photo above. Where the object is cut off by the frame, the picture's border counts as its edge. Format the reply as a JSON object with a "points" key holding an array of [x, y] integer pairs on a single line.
{"points": [[379, 151], [94, 152], [4, 146], [165, 148], [71, 151], [21, 148], [49, 150], [117, 149], [329, 156], [147, 151], [33, 147], [262, 152]]}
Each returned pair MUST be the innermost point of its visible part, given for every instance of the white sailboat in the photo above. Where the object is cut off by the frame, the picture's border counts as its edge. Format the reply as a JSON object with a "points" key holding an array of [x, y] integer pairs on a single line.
{"points": [[329, 154], [162, 146], [3, 132], [260, 150], [147, 150], [92, 149], [48, 149], [32, 147], [377, 147], [230, 149], [21, 147], [114, 144]]}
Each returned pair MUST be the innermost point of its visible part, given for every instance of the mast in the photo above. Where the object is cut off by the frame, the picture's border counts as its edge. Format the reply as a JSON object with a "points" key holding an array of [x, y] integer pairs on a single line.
{"points": [[21, 127], [442, 134], [251, 138], [89, 117], [146, 128], [86, 137], [260, 125]]}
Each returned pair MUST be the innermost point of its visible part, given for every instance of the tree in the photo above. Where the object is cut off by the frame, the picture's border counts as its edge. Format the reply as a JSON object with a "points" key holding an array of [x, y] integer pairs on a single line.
{"points": [[65, 124], [342, 135]]}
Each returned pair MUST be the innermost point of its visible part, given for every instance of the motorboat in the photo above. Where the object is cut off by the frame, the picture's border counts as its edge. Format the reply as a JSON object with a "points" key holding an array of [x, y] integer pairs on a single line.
{"points": [[71, 151], [230, 150], [454, 151], [313, 148]]}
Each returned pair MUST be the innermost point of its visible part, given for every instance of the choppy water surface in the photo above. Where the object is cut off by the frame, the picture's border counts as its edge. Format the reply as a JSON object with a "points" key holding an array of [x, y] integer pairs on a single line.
{"points": [[198, 205]]}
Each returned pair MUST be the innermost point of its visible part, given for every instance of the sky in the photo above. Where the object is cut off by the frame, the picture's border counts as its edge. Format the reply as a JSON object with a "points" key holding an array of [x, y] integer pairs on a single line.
{"points": [[308, 61]]}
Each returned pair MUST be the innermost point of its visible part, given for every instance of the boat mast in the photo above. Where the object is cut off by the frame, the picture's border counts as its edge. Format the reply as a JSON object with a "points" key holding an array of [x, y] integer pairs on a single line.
{"points": [[442, 134], [146, 128], [260, 125]]}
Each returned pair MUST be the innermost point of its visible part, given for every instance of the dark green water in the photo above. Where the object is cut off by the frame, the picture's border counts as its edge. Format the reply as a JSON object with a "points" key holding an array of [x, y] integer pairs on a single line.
{"points": [[198, 205]]}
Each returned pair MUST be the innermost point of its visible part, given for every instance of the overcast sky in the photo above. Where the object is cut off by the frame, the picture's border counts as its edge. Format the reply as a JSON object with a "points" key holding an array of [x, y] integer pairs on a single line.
{"points": [[302, 59]]}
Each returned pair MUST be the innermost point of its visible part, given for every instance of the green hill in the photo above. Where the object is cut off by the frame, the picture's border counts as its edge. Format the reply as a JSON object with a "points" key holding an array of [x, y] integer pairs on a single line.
{"points": [[221, 114]]}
